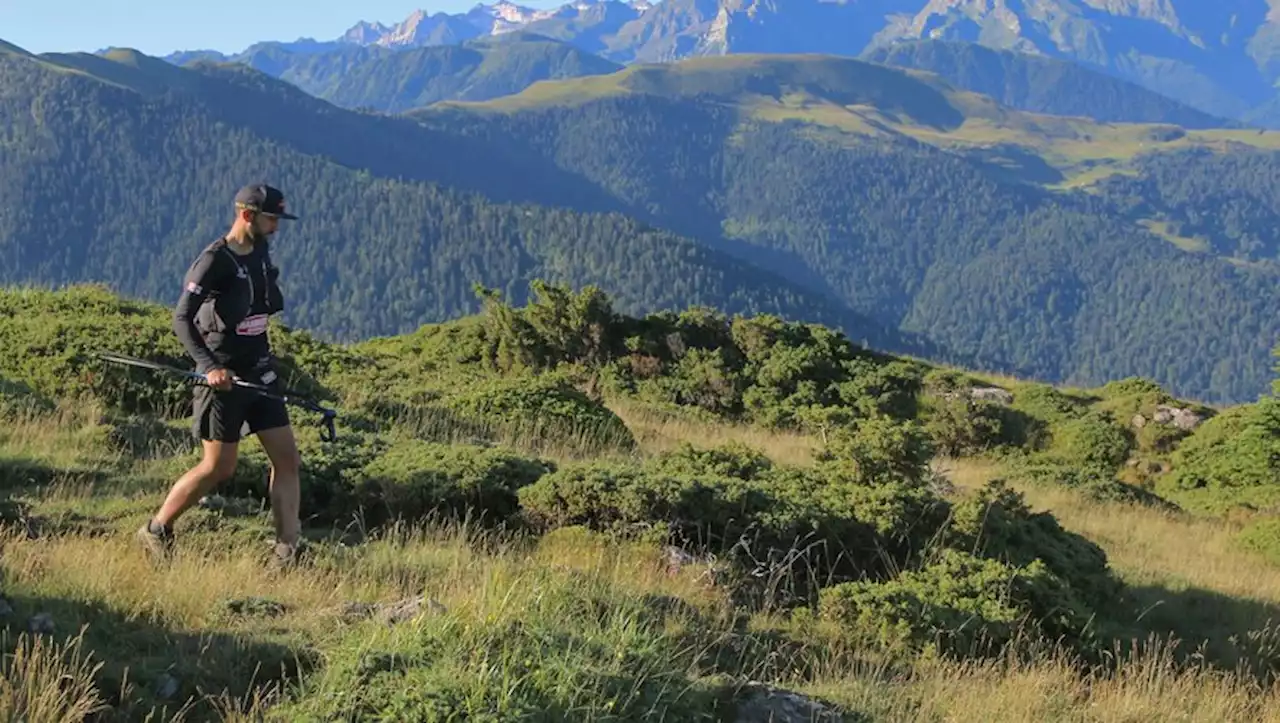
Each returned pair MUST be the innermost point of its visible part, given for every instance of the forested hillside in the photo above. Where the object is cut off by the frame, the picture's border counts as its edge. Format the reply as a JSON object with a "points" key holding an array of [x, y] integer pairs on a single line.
{"points": [[1220, 203], [1042, 84], [813, 166], [138, 161]]}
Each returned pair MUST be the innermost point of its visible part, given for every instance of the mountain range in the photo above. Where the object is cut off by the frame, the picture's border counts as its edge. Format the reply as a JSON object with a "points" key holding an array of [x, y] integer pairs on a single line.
{"points": [[911, 213], [1221, 58]]}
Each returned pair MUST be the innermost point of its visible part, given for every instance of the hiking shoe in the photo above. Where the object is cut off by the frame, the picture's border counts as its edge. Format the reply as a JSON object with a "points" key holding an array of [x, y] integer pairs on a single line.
{"points": [[158, 541], [285, 556]]}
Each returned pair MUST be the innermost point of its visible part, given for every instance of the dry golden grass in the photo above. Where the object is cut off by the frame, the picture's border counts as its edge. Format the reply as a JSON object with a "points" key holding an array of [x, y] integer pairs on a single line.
{"points": [[1150, 686], [487, 580], [47, 682], [65, 436], [1146, 545], [657, 432]]}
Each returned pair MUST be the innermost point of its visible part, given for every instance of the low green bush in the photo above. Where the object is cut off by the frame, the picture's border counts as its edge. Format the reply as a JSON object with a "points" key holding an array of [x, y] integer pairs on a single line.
{"points": [[879, 450], [1092, 441], [544, 405], [1046, 403], [962, 426], [377, 480], [961, 606], [990, 574], [1262, 536], [50, 339], [330, 473], [864, 510], [413, 480], [997, 523], [1235, 449]]}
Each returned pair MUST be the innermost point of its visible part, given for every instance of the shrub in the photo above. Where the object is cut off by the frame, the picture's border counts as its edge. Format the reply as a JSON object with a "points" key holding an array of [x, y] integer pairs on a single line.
{"points": [[414, 479], [997, 523], [866, 529], [962, 426], [1092, 441], [1094, 484], [379, 479], [702, 510], [50, 339], [875, 386], [1134, 387], [1035, 410], [330, 473], [1046, 403], [733, 459], [760, 369], [990, 574], [1237, 448], [831, 522], [880, 449], [703, 378], [961, 604], [544, 404], [1262, 536]]}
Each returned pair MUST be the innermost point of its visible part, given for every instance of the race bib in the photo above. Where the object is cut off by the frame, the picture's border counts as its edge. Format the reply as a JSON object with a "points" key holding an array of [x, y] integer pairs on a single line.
{"points": [[253, 325]]}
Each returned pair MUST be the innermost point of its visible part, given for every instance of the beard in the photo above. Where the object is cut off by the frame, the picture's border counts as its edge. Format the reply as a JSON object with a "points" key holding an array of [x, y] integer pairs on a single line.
{"points": [[257, 234]]}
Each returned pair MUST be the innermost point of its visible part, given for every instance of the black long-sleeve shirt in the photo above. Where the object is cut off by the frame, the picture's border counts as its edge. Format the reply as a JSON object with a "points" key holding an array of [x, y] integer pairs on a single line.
{"points": [[221, 316]]}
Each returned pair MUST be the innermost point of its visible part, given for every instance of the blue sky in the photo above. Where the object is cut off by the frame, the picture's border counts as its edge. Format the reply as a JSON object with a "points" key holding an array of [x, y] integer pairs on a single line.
{"points": [[158, 27]]}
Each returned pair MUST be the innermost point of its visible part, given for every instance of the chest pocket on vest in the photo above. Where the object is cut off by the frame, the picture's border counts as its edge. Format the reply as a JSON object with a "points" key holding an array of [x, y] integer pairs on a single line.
{"points": [[255, 325]]}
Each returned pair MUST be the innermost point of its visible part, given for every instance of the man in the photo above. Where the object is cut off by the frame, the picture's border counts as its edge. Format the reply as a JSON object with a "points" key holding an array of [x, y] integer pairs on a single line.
{"points": [[229, 292]]}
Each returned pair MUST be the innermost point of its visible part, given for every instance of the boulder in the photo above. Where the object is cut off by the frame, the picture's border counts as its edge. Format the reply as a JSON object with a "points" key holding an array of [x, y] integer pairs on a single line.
{"points": [[992, 394], [1183, 419]]}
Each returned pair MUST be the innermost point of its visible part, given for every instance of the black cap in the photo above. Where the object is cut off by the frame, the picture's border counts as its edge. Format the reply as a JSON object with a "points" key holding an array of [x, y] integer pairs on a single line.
{"points": [[264, 199]]}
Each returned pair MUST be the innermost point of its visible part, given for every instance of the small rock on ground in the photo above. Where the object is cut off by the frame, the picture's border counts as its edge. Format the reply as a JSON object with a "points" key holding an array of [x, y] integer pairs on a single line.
{"points": [[167, 687], [394, 612], [255, 606], [229, 506], [763, 703], [41, 623]]}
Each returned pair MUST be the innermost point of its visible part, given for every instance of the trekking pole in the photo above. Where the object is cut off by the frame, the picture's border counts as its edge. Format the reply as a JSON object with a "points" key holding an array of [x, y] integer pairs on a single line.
{"points": [[288, 396]]}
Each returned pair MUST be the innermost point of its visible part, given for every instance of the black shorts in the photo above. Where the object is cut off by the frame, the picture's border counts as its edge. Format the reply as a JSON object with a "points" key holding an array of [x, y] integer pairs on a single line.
{"points": [[228, 416]]}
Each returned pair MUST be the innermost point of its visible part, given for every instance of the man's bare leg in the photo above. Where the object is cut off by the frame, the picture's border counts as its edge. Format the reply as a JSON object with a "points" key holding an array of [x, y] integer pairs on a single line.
{"points": [[286, 488], [218, 465]]}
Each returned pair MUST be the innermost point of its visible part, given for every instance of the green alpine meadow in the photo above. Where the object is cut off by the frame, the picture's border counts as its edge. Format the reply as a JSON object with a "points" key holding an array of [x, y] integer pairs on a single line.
{"points": [[558, 511]]}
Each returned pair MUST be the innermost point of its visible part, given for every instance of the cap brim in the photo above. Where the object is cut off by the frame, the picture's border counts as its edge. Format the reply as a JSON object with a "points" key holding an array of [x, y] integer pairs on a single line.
{"points": [[288, 216]]}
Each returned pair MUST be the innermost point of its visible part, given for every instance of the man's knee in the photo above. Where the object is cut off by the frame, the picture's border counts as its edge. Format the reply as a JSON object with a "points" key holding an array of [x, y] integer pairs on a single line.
{"points": [[224, 469], [282, 450], [288, 462]]}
